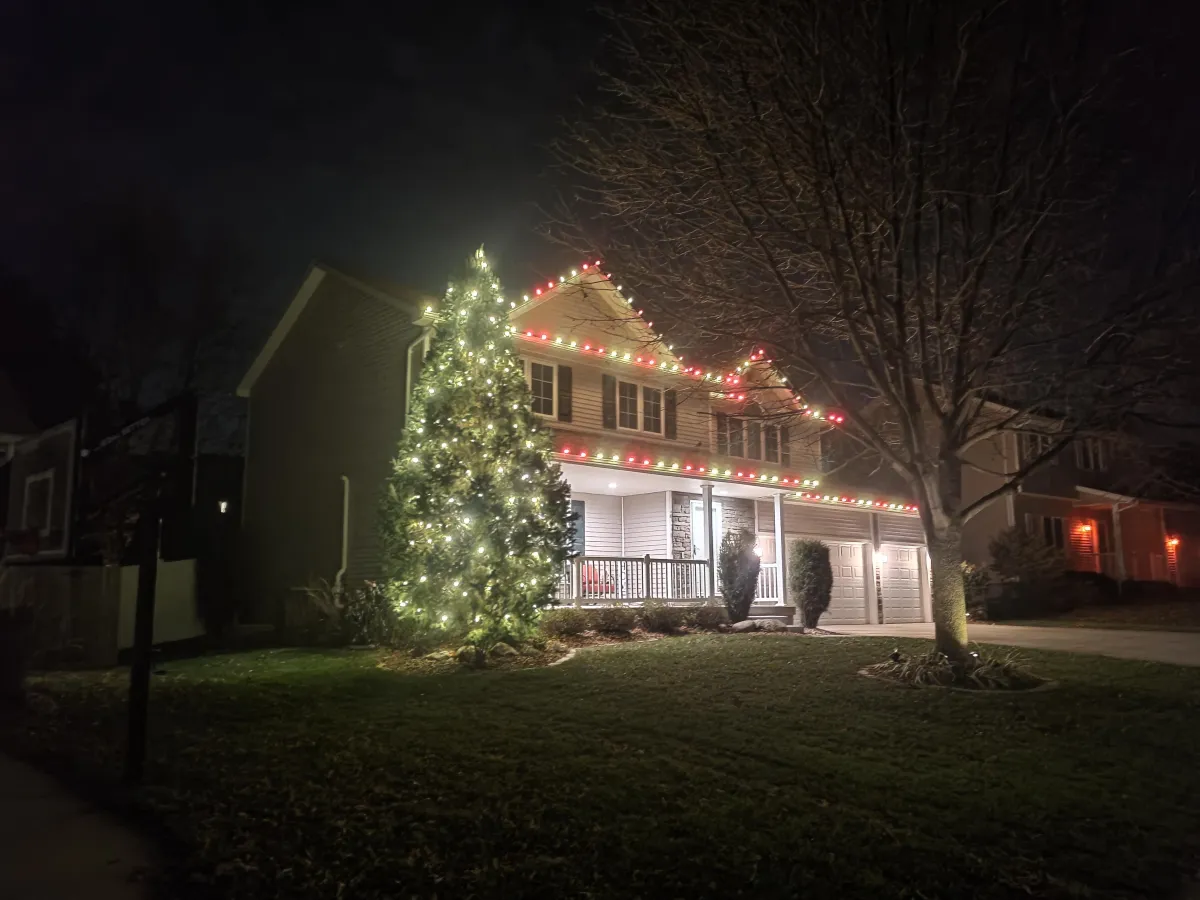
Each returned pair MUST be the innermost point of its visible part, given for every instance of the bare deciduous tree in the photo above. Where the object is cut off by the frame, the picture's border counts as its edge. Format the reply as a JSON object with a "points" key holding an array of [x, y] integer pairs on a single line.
{"points": [[154, 302], [895, 201]]}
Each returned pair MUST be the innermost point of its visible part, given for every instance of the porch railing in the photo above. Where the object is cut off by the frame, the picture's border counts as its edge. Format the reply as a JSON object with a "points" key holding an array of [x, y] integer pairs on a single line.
{"points": [[628, 579], [769, 588]]}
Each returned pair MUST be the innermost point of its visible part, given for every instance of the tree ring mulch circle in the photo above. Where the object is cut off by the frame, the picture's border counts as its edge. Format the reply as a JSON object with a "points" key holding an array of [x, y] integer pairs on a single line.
{"points": [[987, 692]]}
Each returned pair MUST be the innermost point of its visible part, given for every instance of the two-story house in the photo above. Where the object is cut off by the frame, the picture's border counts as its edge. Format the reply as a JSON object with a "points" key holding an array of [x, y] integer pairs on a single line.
{"points": [[1086, 502], [660, 453]]}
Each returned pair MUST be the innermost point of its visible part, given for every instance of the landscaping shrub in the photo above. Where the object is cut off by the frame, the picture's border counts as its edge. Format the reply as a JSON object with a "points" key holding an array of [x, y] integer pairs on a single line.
{"points": [[1030, 577], [738, 574], [368, 615], [708, 615], [976, 581], [1087, 589], [614, 619], [662, 618], [1146, 591], [811, 579], [563, 620], [1018, 555]]}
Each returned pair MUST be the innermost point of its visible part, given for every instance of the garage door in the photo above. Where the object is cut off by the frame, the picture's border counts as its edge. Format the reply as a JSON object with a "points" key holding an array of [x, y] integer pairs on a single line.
{"points": [[900, 583], [848, 602]]}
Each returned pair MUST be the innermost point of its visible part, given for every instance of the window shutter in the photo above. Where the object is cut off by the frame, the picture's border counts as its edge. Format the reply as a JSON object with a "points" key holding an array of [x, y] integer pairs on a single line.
{"points": [[564, 393], [722, 434], [669, 426], [608, 405], [785, 446]]}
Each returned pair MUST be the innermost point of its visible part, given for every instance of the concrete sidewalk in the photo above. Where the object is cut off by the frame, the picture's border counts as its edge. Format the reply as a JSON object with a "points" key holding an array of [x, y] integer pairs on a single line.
{"points": [[1182, 648], [54, 846]]}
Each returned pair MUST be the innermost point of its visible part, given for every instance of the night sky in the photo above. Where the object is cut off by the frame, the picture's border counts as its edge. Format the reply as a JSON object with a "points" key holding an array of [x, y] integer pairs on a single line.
{"points": [[387, 139], [390, 139]]}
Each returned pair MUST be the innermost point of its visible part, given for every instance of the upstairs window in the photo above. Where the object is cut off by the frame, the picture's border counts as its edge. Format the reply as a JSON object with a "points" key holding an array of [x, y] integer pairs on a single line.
{"points": [[541, 385], [627, 396], [1089, 454], [652, 410], [1035, 446], [752, 439]]}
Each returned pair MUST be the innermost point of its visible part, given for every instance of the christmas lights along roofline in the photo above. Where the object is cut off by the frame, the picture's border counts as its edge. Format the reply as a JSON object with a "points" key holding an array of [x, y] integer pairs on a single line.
{"points": [[647, 360], [644, 463]]}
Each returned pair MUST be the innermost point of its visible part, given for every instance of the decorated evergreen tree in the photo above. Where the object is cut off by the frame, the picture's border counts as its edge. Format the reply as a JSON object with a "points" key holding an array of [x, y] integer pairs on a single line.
{"points": [[476, 518]]}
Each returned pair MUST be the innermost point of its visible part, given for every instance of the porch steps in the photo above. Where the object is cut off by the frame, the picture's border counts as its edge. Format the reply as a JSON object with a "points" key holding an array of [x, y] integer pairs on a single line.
{"points": [[784, 614]]}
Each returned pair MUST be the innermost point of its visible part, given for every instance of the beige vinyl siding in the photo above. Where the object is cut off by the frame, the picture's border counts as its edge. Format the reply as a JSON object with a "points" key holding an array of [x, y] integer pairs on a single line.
{"points": [[587, 313], [987, 458], [692, 419], [826, 521], [900, 529], [766, 516], [601, 524], [646, 525], [329, 403]]}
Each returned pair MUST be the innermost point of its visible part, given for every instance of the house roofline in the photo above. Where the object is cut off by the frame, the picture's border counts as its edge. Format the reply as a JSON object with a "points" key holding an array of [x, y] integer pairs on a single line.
{"points": [[1149, 501], [412, 305]]}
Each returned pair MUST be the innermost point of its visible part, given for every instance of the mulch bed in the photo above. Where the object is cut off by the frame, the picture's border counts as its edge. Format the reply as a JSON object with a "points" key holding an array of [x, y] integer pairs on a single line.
{"points": [[527, 657]]}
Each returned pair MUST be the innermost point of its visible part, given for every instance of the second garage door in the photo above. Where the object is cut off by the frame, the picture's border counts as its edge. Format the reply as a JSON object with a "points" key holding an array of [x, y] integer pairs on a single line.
{"points": [[848, 601], [900, 584]]}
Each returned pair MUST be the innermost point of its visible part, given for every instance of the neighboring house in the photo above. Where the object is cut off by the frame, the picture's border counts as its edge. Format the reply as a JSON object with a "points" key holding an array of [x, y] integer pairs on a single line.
{"points": [[660, 455], [1083, 501], [34, 480], [15, 423]]}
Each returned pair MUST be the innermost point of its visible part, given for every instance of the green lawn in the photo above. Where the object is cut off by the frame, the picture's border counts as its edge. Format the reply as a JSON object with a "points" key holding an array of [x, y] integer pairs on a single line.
{"points": [[1156, 615], [706, 766]]}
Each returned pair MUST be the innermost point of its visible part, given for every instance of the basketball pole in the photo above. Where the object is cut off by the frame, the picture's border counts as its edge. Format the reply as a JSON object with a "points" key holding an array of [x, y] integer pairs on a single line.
{"points": [[148, 528]]}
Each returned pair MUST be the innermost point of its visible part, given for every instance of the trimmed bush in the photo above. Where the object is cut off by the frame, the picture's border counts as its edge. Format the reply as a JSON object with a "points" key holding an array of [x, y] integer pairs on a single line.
{"points": [[738, 574], [810, 578], [710, 615], [564, 620], [662, 618], [614, 619]]}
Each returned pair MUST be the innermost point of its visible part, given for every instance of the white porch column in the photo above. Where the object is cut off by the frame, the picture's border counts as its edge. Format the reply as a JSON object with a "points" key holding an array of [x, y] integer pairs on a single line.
{"points": [[780, 550], [706, 490]]}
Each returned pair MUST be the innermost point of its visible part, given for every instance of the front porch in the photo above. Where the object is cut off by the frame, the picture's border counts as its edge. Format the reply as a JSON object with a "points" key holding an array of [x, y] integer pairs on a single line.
{"points": [[647, 537], [622, 579]]}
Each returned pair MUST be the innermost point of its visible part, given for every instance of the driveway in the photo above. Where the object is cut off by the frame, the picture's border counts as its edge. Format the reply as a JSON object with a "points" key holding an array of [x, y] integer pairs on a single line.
{"points": [[1181, 648], [54, 846]]}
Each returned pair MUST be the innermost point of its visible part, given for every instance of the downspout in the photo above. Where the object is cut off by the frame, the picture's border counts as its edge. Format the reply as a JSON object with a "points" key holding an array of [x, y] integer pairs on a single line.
{"points": [[337, 579]]}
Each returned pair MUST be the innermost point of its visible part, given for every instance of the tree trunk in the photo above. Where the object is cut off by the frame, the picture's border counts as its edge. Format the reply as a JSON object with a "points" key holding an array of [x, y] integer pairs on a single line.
{"points": [[949, 595]]}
